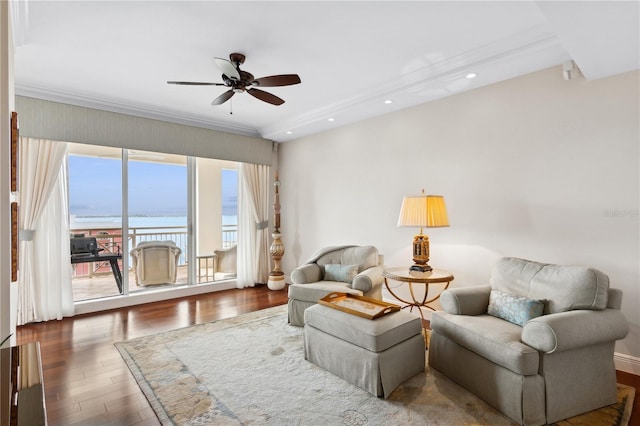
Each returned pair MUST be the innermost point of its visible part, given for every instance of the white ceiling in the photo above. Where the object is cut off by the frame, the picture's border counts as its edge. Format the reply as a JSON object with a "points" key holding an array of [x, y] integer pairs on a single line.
{"points": [[351, 56]]}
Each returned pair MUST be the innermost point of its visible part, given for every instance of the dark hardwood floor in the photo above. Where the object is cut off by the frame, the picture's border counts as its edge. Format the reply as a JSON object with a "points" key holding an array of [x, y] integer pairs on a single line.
{"points": [[88, 383]]}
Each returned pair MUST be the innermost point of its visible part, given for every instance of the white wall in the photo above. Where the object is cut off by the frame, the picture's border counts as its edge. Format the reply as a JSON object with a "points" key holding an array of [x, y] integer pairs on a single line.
{"points": [[534, 167]]}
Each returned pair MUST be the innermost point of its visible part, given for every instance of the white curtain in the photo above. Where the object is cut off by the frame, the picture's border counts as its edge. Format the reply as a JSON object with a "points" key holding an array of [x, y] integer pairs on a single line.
{"points": [[253, 224], [44, 278]]}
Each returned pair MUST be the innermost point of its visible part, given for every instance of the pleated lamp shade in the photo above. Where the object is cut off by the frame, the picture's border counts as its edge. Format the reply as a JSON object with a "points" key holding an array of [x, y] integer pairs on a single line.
{"points": [[424, 211]]}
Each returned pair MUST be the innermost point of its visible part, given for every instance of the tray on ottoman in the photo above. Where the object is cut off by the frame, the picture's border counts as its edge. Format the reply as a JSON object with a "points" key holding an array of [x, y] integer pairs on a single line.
{"points": [[358, 305]]}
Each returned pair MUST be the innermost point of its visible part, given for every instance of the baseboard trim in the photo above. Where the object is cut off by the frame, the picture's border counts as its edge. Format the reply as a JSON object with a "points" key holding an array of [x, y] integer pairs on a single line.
{"points": [[151, 295], [627, 363]]}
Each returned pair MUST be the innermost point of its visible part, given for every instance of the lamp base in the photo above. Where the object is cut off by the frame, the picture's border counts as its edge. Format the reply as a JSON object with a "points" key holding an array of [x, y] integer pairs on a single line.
{"points": [[420, 268], [420, 253]]}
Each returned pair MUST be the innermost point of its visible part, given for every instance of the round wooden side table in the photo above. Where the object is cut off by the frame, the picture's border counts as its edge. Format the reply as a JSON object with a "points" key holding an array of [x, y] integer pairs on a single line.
{"points": [[404, 275]]}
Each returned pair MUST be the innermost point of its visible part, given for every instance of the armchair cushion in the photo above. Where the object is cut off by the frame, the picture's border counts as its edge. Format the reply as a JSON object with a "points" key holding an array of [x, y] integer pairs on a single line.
{"points": [[338, 272], [490, 337], [515, 309], [564, 288]]}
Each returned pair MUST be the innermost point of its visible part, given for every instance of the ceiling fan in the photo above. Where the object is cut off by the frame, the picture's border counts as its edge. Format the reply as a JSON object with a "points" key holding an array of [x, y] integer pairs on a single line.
{"points": [[240, 81]]}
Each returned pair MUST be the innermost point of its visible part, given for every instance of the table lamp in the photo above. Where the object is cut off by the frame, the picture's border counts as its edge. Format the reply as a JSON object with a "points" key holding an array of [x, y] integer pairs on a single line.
{"points": [[423, 211]]}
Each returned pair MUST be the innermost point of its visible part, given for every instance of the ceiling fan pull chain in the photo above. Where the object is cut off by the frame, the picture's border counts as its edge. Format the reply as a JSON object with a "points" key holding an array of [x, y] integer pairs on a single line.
{"points": [[230, 106]]}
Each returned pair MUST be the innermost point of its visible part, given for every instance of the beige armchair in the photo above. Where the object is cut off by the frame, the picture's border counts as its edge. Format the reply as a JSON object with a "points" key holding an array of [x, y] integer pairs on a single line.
{"points": [[347, 269], [155, 262], [537, 343]]}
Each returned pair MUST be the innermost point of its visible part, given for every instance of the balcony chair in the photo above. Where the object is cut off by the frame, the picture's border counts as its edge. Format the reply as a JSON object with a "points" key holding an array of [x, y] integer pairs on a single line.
{"points": [[347, 269], [537, 343], [225, 263], [155, 262]]}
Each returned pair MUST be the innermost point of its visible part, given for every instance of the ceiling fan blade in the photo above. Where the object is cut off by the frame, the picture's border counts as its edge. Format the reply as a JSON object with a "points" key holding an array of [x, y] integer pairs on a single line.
{"points": [[265, 96], [227, 68], [277, 80], [194, 83], [223, 98]]}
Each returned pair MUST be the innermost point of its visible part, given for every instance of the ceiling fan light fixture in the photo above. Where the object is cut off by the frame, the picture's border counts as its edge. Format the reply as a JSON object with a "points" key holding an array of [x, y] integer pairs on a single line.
{"points": [[227, 68], [239, 81]]}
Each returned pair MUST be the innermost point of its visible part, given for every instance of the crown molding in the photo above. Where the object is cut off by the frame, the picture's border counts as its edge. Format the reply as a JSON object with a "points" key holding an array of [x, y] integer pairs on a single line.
{"points": [[33, 91], [531, 41]]}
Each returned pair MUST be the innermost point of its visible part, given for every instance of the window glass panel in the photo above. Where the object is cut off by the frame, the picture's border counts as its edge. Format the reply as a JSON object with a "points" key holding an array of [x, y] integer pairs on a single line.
{"points": [[157, 217], [95, 208], [216, 219], [229, 207]]}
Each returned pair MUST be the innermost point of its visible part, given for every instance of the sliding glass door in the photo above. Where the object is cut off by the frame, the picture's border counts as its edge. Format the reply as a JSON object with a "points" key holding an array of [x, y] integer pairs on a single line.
{"points": [[95, 212], [157, 219], [168, 200]]}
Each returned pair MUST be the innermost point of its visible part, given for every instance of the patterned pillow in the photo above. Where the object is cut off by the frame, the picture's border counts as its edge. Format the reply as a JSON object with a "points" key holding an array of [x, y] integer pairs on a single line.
{"points": [[515, 309], [337, 272]]}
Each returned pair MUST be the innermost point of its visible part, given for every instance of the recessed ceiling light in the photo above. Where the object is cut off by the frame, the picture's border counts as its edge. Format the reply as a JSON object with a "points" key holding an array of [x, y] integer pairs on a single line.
{"points": [[388, 101], [472, 75], [289, 132], [331, 119]]}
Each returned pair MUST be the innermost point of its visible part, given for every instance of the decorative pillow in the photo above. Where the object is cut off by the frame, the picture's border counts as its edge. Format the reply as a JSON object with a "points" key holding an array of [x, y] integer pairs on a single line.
{"points": [[515, 309], [337, 272]]}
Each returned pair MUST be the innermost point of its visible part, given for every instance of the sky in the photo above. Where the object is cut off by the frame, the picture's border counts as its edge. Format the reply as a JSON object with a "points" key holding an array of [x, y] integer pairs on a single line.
{"points": [[154, 189]]}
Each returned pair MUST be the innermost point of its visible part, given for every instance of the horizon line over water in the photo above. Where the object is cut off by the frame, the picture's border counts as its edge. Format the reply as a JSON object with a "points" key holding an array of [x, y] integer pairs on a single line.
{"points": [[115, 222]]}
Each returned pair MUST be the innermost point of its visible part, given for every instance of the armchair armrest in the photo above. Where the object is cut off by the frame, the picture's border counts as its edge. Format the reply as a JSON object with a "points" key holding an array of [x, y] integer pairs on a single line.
{"points": [[368, 279], [573, 329], [466, 300], [305, 274]]}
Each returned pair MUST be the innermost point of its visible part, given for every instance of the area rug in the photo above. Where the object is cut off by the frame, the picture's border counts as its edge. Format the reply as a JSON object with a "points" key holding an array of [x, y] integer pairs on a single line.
{"points": [[250, 370]]}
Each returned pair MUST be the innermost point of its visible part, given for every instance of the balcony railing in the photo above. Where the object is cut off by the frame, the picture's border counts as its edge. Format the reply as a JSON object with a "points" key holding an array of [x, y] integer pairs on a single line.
{"points": [[110, 240], [229, 235]]}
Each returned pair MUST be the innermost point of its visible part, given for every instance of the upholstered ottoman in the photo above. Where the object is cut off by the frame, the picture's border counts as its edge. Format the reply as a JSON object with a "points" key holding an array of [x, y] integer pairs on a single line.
{"points": [[375, 355]]}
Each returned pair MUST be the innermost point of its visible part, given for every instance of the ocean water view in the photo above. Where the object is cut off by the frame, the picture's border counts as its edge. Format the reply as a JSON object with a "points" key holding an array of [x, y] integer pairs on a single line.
{"points": [[115, 222]]}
